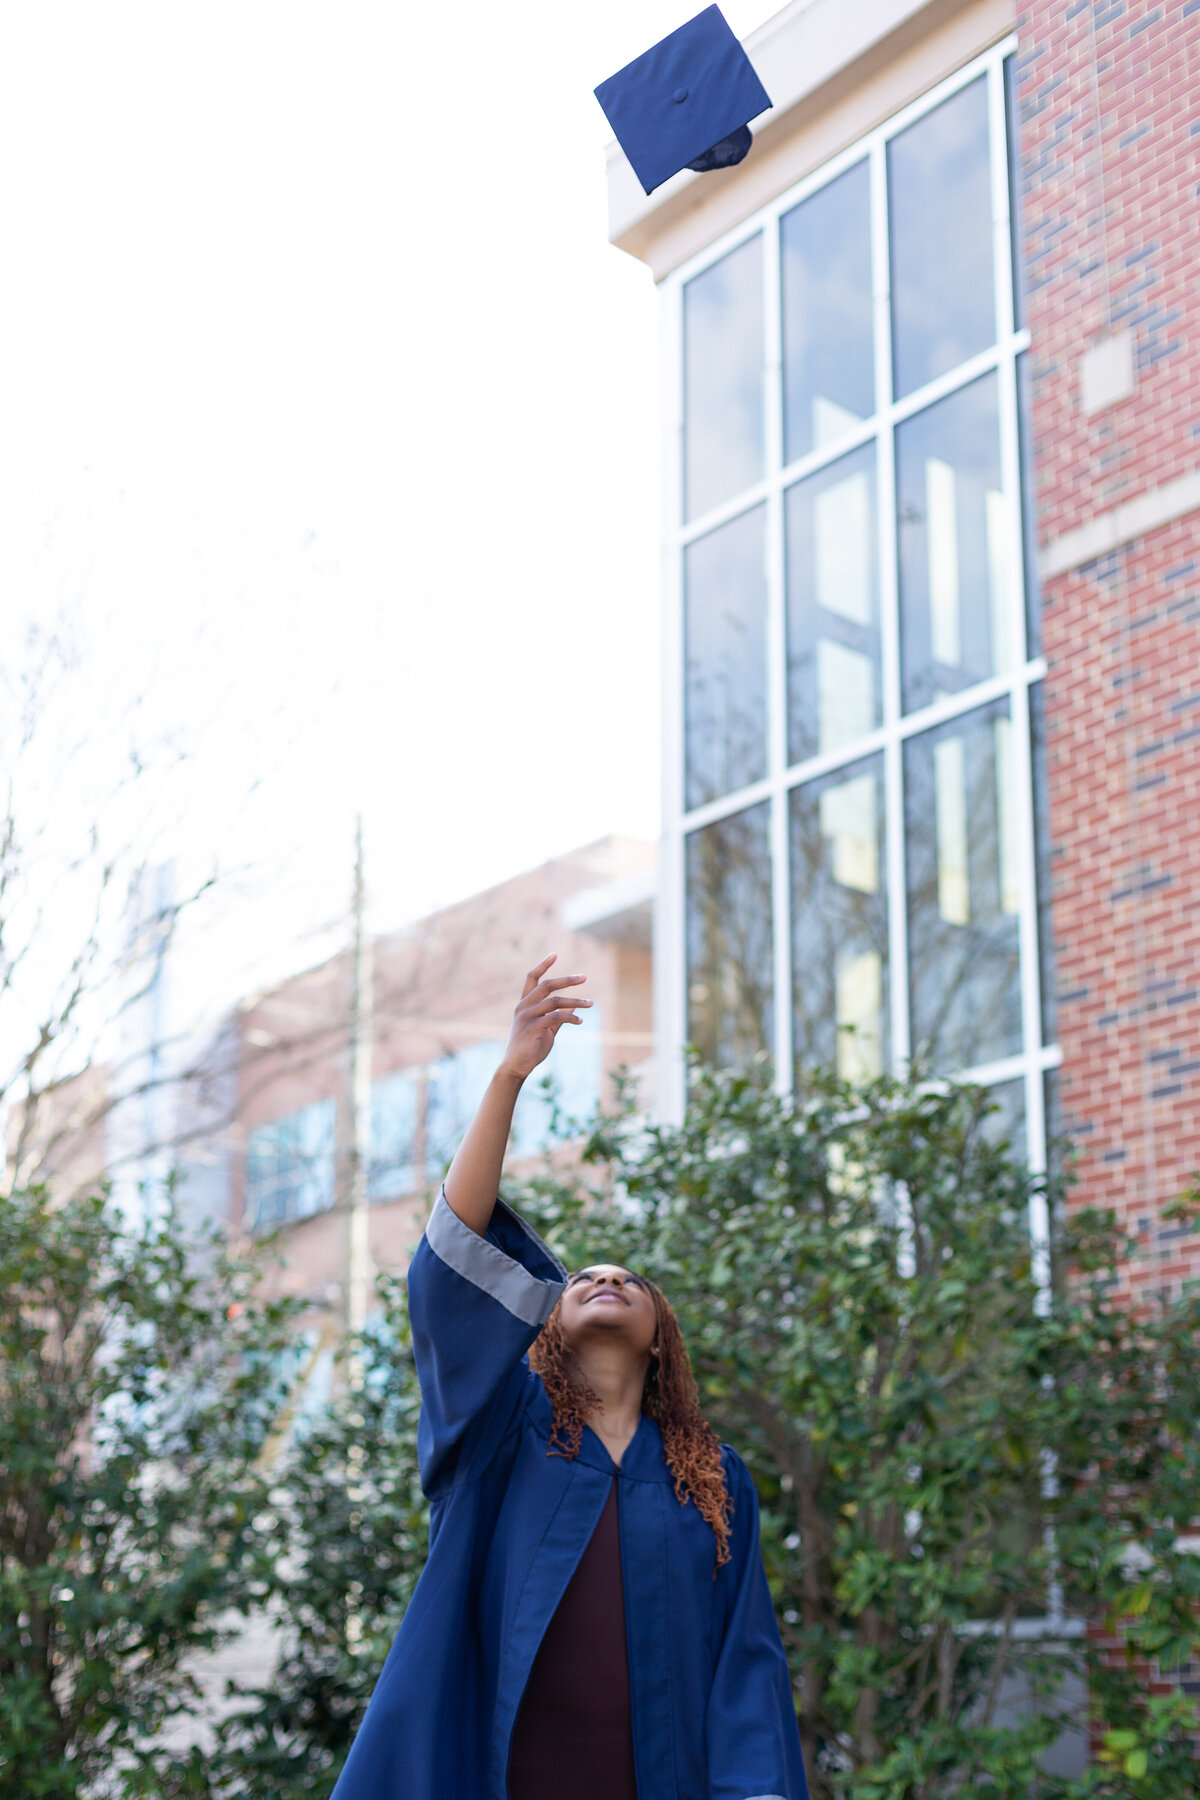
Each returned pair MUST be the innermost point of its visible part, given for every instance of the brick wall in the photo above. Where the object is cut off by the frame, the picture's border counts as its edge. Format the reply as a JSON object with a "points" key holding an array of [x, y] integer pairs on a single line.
{"points": [[1109, 132]]}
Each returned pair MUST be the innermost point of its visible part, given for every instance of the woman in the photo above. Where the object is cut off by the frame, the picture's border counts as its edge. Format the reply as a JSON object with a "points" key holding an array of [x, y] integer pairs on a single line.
{"points": [[593, 1622]]}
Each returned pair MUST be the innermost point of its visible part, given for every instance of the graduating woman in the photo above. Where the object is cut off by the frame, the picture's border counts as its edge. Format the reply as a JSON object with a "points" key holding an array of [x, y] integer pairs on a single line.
{"points": [[593, 1621]]}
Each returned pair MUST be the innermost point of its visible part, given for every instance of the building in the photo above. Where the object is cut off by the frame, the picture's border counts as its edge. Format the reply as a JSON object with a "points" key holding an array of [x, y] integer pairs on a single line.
{"points": [[931, 707], [444, 989]]}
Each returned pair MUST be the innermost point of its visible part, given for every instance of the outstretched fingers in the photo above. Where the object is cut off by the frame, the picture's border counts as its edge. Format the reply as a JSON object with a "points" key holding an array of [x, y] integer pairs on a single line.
{"points": [[544, 1006], [535, 974], [538, 1006]]}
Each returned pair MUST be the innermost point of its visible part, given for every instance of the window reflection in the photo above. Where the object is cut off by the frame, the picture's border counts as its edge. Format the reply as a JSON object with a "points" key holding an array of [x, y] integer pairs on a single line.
{"points": [[1042, 854], [729, 963], [962, 891], [725, 647], [1058, 1143], [1011, 114], [290, 1165], [395, 1110], [1033, 598], [956, 573], [839, 922], [833, 607], [939, 194], [1007, 1124], [454, 1086], [723, 379], [828, 345]]}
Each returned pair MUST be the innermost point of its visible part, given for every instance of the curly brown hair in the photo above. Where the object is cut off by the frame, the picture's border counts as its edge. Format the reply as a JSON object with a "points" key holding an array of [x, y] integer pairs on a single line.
{"points": [[670, 1398]]}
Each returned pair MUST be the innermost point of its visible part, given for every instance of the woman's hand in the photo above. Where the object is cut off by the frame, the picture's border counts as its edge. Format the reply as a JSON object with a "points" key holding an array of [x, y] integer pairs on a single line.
{"points": [[540, 1011], [473, 1178]]}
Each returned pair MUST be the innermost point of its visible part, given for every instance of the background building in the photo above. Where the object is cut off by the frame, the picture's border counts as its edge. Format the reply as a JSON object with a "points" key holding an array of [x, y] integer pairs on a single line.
{"points": [[444, 990], [931, 685]]}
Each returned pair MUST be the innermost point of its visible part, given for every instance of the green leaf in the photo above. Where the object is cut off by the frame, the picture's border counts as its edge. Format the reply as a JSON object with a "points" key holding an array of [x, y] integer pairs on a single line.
{"points": [[1120, 1741]]}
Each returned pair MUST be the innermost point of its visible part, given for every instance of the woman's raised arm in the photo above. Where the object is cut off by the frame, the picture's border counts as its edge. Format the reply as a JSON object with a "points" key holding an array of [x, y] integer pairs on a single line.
{"points": [[481, 1283], [473, 1178]]}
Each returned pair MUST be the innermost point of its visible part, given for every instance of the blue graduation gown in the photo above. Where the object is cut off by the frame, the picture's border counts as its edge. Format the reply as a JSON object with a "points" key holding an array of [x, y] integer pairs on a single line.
{"points": [[713, 1717]]}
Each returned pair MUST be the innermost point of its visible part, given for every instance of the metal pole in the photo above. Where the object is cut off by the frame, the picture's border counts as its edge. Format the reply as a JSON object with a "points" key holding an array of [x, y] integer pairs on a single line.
{"points": [[358, 1254]]}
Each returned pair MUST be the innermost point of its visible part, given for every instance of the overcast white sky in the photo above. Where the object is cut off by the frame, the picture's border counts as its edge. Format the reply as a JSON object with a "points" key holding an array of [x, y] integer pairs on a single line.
{"points": [[330, 415]]}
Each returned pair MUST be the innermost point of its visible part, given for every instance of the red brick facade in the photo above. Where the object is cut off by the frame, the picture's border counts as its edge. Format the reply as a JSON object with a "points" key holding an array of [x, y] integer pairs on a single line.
{"points": [[1109, 135]]}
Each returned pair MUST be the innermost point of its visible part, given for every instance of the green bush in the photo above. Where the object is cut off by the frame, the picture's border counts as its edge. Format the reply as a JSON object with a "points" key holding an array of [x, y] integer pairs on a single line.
{"points": [[945, 1463], [138, 1384], [963, 1488], [352, 1524]]}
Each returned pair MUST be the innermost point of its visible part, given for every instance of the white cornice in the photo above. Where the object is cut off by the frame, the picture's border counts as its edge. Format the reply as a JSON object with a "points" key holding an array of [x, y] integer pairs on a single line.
{"points": [[812, 57]]}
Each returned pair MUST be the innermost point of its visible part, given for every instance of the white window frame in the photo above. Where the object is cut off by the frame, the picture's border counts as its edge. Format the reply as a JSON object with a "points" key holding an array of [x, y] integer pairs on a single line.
{"points": [[1035, 1058]]}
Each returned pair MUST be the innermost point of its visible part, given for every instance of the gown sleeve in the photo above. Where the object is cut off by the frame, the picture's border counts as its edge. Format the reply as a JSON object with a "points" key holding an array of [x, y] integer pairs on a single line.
{"points": [[475, 1305], [753, 1739]]}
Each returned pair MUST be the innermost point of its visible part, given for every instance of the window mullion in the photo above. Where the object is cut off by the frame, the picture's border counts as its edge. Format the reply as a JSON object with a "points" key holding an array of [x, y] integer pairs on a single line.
{"points": [[889, 613], [777, 695], [1001, 204], [670, 923], [1020, 736]]}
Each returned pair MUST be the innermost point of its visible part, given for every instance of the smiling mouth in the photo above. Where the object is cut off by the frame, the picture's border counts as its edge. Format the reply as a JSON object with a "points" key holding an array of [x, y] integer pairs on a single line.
{"points": [[608, 1295]]}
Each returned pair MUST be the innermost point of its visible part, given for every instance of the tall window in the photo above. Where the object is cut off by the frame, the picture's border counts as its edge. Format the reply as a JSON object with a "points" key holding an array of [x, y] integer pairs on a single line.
{"points": [[395, 1107], [454, 1086], [290, 1165], [850, 794]]}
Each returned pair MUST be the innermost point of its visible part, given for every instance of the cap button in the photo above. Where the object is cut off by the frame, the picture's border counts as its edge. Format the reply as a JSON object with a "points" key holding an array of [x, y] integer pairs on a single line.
{"points": [[679, 96]]}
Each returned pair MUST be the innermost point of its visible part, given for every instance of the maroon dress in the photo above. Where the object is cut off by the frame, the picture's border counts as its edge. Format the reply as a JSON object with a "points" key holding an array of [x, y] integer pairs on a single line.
{"points": [[574, 1731]]}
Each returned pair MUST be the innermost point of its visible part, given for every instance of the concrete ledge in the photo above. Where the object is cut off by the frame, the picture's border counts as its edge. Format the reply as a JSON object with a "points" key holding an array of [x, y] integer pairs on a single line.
{"points": [[621, 911], [1120, 525]]}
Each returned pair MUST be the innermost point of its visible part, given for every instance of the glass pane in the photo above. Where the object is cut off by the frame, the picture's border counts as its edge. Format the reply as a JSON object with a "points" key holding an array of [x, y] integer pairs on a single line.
{"points": [[392, 1167], [723, 379], [832, 607], [729, 966], [454, 1086], [1058, 1144], [839, 923], [725, 647], [957, 577], [1033, 592], [1012, 87], [1007, 1123], [940, 197], [260, 1188], [1042, 854], [962, 892], [314, 1155], [290, 1165], [828, 345]]}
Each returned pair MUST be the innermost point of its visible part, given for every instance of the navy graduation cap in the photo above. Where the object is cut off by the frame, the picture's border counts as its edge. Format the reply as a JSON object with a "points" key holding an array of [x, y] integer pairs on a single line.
{"points": [[685, 104]]}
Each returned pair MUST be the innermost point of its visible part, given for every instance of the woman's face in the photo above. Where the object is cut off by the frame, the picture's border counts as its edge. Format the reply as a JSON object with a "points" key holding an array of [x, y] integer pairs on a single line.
{"points": [[605, 1303]]}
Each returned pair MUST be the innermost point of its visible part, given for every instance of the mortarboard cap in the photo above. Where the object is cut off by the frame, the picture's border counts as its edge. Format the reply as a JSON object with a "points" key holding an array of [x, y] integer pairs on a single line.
{"points": [[685, 104]]}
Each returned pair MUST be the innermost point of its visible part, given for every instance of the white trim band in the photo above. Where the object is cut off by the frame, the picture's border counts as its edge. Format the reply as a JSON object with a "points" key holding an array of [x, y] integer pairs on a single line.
{"points": [[1120, 525]]}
